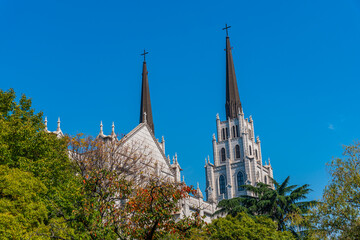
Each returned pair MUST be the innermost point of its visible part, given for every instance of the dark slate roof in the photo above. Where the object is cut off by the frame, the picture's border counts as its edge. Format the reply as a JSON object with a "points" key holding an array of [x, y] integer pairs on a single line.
{"points": [[145, 100], [233, 104]]}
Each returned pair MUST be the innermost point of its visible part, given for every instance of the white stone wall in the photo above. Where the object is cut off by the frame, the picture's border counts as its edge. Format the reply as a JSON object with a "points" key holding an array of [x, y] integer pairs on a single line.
{"points": [[192, 204]]}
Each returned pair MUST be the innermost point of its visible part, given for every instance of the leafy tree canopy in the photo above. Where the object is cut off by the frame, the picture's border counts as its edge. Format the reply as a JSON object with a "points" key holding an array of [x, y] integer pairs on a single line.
{"points": [[283, 204], [27, 149], [241, 226], [338, 214], [22, 210]]}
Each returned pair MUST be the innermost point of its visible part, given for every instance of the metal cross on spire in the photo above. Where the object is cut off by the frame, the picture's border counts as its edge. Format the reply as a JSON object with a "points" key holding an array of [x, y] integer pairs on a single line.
{"points": [[226, 28], [143, 54]]}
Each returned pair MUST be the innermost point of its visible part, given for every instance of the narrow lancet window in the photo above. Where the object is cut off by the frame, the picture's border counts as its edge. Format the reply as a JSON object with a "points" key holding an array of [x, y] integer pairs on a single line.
{"points": [[234, 133], [223, 134], [227, 133], [237, 131], [222, 184], [223, 155], [237, 151], [240, 181], [250, 152]]}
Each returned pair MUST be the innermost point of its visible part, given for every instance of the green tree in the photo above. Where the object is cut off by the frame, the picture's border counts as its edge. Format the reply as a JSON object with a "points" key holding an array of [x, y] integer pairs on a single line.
{"points": [[22, 210], [282, 204], [24, 145], [338, 214], [242, 226]]}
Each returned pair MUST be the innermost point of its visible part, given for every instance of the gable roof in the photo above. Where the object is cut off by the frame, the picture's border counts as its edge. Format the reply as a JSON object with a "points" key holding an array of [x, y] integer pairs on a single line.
{"points": [[137, 129]]}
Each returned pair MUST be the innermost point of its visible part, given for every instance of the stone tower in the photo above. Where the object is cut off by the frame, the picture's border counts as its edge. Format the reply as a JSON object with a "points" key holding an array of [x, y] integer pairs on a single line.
{"points": [[236, 151]]}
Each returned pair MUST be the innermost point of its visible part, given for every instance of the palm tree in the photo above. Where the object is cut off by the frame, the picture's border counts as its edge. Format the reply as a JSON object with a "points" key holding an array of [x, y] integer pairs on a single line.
{"points": [[281, 203]]}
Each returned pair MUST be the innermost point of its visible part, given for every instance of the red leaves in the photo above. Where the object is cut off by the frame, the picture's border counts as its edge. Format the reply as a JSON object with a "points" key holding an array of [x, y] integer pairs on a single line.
{"points": [[152, 208]]}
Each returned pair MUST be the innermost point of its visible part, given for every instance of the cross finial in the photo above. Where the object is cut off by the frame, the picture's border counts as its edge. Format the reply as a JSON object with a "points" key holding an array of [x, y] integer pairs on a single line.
{"points": [[226, 28], [143, 54]]}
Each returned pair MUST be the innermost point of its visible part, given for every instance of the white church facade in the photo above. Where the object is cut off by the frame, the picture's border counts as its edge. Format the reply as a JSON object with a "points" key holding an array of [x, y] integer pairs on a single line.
{"points": [[237, 158]]}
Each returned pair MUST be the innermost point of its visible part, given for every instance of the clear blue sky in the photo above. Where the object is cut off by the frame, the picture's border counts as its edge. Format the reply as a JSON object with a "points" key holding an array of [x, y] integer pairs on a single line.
{"points": [[297, 65]]}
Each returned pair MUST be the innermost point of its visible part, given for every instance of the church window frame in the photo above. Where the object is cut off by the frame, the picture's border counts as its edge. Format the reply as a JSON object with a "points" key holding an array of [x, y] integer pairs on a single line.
{"points": [[256, 153], [223, 134], [222, 184], [233, 130], [227, 133], [265, 180], [250, 150], [240, 178], [237, 131], [237, 151], [223, 154]]}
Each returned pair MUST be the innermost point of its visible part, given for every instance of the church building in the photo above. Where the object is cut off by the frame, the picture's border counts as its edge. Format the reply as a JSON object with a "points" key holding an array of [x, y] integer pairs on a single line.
{"points": [[236, 152]]}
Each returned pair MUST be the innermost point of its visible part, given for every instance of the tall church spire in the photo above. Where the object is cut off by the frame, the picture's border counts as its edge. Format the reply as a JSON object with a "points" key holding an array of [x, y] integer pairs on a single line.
{"points": [[233, 104], [145, 108]]}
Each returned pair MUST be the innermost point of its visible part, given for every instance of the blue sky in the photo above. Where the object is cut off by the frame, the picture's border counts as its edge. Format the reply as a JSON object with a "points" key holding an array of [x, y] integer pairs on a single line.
{"points": [[297, 65]]}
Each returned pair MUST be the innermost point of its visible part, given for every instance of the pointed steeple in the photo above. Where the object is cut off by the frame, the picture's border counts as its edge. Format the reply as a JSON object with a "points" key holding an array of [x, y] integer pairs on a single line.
{"points": [[233, 104], [145, 98]]}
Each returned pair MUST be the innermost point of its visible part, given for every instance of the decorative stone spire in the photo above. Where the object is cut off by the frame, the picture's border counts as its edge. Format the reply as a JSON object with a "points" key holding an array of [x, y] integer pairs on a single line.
{"points": [[101, 129], [198, 191], [46, 129], [145, 106], [113, 130], [233, 104], [163, 143], [58, 125]]}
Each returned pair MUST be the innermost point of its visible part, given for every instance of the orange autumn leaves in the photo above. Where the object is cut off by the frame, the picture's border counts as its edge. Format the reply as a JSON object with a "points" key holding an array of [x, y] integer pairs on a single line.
{"points": [[153, 208]]}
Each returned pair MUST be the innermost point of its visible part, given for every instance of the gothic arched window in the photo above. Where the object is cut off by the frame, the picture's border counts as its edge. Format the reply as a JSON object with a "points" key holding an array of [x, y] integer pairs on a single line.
{"points": [[223, 134], [223, 155], [234, 133], [227, 133], [250, 150], [240, 181], [237, 151], [256, 154], [222, 184], [237, 131], [265, 180]]}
